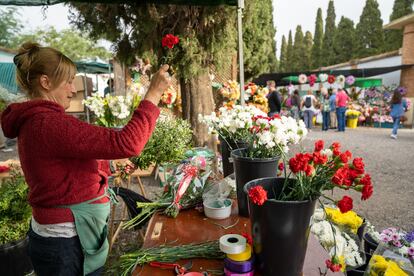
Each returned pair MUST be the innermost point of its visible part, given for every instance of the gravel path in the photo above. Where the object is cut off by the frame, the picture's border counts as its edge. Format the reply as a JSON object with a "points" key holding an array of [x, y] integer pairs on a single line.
{"points": [[391, 165]]}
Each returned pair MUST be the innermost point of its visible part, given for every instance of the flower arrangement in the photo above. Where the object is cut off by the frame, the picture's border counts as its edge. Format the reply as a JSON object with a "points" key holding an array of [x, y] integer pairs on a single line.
{"points": [[168, 143], [340, 79], [381, 266], [323, 77], [260, 99], [352, 114], [312, 79], [233, 125], [399, 240], [336, 240], [331, 79], [230, 90], [169, 97], [272, 136], [349, 220], [302, 78], [112, 111], [350, 80]]}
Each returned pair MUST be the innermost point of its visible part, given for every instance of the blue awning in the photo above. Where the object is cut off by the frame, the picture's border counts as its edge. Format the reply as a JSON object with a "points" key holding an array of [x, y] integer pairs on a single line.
{"points": [[8, 77]]}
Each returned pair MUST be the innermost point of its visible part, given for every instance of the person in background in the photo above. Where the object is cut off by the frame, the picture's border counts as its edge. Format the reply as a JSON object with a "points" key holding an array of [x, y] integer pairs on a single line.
{"points": [[295, 102], [66, 161], [110, 88], [398, 107], [273, 99], [341, 103], [308, 107], [326, 110], [332, 104]]}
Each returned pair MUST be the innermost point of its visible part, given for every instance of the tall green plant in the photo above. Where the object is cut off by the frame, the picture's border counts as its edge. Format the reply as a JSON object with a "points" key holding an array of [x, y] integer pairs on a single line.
{"points": [[328, 54], [283, 55], [370, 35], [289, 53], [298, 50], [345, 40], [317, 41], [393, 38]]}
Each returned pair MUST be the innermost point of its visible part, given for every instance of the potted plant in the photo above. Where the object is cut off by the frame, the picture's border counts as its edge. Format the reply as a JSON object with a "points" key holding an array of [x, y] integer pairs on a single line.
{"points": [[233, 128], [15, 214], [281, 208], [269, 138]]}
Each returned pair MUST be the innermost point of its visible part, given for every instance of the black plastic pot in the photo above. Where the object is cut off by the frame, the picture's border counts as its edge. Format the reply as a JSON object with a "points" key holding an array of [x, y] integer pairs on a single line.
{"points": [[247, 169], [280, 230], [14, 259], [226, 149], [370, 245], [359, 271]]}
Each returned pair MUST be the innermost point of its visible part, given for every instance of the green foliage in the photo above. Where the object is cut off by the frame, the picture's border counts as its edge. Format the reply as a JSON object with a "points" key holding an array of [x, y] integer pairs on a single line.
{"points": [[15, 212], [345, 40], [258, 36], [289, 51], [393, 38], [328, 54], [283, 55], [298, 50], [207, 33], [369, 32], [307, 59], [168, 143], [10, 25], [70, 42], [317, 41]]}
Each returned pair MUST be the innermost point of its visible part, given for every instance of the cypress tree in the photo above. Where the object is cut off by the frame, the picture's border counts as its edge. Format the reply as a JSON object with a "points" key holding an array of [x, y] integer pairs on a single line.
{"points": [[308, 43], [259, 38], [328, 54], [393, 38], [370, 35], [317, 41], [289, 53], [283, 55], [298, 50], [344, 40]]}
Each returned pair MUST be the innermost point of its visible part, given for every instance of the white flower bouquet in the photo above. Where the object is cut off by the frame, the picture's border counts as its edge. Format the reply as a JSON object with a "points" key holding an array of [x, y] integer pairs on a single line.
{"points": [[112, 111]]}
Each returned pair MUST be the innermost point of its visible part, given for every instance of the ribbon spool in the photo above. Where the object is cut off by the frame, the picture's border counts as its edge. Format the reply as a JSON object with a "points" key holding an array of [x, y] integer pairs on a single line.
{"points": [[230, 273], [242, 257], [239, 267], [233, 244]]}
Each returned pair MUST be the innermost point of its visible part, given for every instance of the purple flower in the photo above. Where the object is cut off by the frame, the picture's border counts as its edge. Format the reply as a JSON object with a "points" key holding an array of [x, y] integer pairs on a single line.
{"points": [[397, 243], [350, 80], [402, 90], [384, 238], [395, 237], [411, 251], [386, 232], [409, 237]]}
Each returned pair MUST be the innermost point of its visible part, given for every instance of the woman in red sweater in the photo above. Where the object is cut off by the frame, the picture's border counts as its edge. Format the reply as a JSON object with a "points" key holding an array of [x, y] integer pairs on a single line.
{"points": [[58, 154]]}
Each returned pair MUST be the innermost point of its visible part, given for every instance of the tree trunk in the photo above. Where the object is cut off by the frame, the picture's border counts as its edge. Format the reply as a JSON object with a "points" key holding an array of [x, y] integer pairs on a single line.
{"points": [[197, 98]]}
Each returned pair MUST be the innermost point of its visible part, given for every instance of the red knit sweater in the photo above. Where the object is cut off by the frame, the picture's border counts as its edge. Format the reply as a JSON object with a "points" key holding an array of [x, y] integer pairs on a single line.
{"points": [[59, 153]]}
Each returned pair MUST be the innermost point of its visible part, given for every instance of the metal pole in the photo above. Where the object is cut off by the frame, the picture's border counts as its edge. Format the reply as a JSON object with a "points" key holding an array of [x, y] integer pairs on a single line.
{"points": [[240, 7]]}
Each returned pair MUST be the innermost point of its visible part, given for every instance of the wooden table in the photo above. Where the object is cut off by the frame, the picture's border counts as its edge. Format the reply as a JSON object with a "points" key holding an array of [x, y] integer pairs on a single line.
{"points": [[193, 227]]}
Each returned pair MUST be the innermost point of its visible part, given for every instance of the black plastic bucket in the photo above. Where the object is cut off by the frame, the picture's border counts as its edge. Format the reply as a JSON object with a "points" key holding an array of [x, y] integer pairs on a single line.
{"points": [[280, 230], [226, 149], [14, 260], [247, 169]]}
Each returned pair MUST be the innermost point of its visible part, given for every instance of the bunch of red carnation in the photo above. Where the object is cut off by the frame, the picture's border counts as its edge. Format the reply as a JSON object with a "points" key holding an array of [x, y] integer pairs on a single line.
{"points": [[326, 169]]}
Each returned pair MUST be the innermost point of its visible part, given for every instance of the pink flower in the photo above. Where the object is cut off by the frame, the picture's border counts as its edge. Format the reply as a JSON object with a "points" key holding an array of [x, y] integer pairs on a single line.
{"points": [[395, 237], [397, 244], [384, 238], [411, 251]]}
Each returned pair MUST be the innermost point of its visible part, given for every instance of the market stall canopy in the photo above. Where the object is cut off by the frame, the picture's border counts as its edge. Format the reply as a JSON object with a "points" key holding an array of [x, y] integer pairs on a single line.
{"points": [[93, 67], [8, 77], [366, 83], [358, 73], [161, 2]]}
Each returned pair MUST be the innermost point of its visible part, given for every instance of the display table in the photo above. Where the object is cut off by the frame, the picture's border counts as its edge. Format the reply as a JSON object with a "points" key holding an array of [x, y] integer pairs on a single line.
{"points": [[193, 227]]}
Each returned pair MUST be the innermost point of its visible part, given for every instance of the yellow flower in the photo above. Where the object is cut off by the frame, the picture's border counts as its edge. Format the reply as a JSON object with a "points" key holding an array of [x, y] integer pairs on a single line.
{"points": [[342, 263], [380, 266], [349, 219]]}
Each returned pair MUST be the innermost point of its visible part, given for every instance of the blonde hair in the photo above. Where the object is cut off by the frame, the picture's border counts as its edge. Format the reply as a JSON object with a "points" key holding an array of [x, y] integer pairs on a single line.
{"points": [[33, 61]]}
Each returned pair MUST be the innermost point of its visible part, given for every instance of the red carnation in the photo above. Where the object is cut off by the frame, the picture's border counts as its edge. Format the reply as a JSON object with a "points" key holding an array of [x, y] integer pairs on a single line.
{"points": [[169, 41], [345, 204], [319, 158], [319, 145], [359, 165], [4, 169], [366, 180], [367, 191], [309, 170], [345, 156], [294, 165], [353, 174], [258, 195], [336, 148], [331, 79], [281, 166], [334, 267]]}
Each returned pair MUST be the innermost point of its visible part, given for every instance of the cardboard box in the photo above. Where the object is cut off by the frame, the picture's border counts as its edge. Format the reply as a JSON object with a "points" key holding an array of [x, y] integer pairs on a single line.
{"points": [[76, 103], [80, 85]]}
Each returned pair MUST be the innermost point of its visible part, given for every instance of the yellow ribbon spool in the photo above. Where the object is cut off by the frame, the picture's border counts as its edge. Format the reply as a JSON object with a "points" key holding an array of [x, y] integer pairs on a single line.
{"points": [[242, 257]]}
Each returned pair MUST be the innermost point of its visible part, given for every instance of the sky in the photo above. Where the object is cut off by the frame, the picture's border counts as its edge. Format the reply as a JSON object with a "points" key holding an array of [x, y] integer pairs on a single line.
{"points": [[287, 14]]}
